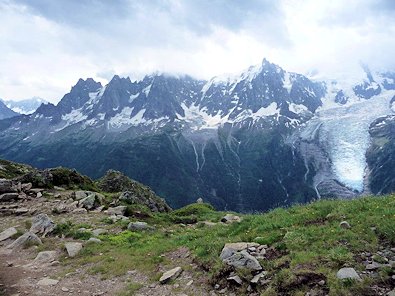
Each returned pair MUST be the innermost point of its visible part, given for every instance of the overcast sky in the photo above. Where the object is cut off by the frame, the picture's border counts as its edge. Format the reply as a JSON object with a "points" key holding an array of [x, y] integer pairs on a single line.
{"points": [[47, 45]]}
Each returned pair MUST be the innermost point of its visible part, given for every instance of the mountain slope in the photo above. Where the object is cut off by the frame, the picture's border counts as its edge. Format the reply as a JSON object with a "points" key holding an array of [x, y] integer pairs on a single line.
{"points": [[263, 138], [6, 112]]}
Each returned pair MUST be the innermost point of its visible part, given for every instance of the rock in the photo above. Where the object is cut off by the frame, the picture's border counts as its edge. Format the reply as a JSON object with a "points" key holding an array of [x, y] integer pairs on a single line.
{"points": [[98, 232], [59, 188], [8, 233], [230, 248], [78, 195], [243, 260], [256, 279], [94, 240], [45, 257], [88, 202], [21, 211], [138, 226], [6, 197], [391, 293], [345, 225], [170, 275], [80, 211], [117, 210], [348, 273], [73, 248], [199, 200], [64, 289], [373, 266], [132, 191], [230, 218], [235, 279], [39, 194], [42, 224], [6, 186], [26, 186], [29, 238], [47, 282]]}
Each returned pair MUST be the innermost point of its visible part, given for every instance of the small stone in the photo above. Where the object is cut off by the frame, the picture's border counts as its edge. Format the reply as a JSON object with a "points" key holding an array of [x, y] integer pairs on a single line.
{"points": [[47, 282], [94, 240], [256, 279], [64, 289], [190, 283], [373, 266], [235, 279], [199, 200], [345, 225], [321, 282], [138, 226], [170, 275], [230, 218], [348, 273], [98, 232]]}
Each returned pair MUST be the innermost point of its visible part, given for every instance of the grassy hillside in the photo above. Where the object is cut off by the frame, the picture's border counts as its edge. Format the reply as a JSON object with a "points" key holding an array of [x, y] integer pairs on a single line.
{"points": [[305, 243]]}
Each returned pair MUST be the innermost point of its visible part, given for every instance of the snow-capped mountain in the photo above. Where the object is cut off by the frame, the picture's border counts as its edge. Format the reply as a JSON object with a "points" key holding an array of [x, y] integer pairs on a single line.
{"points": [[6, 112], [27, 106], [258, 139]]}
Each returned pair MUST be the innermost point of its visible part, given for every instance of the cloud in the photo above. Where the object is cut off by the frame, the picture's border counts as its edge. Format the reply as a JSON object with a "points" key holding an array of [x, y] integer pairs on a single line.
{"points": [[47, 45]]}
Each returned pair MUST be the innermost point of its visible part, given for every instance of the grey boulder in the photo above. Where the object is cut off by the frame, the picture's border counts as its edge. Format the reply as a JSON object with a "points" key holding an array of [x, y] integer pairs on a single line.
{"points": [[8, 233], [29, 238], [42, 224]]}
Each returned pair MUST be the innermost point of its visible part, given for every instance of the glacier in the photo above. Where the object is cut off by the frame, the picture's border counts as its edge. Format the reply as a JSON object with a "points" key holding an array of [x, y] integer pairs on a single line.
{"points": [[344, 132]]}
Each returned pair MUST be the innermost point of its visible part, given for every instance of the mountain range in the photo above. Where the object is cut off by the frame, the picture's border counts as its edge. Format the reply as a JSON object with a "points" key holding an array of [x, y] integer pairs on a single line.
{"points": [[263, 138]]}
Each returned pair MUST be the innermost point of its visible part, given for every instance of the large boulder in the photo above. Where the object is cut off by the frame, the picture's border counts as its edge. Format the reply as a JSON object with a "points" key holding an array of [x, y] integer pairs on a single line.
{"points": [[42, 224], [119, 211], [6, 197], [27, 239]]}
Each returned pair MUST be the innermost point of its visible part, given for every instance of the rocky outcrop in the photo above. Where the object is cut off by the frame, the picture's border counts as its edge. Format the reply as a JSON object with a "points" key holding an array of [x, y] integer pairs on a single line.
{"points": [[243, 255], [132, 192]]}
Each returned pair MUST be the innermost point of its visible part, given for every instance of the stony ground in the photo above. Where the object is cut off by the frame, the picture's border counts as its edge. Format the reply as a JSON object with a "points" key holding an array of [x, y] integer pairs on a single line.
{"points": [[20, 276]]}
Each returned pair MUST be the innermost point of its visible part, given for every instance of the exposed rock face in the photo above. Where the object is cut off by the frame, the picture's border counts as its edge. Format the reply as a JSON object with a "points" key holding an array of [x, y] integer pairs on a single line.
{"points": [[42, 224]]}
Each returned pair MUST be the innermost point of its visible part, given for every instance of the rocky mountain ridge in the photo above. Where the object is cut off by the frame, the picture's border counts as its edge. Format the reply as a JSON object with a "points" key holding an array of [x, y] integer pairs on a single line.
{"points": [[250, 142]]}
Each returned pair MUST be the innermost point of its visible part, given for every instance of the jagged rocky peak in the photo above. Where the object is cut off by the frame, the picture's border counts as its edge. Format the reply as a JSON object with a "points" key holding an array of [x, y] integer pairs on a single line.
{"points": [[78, 95]]}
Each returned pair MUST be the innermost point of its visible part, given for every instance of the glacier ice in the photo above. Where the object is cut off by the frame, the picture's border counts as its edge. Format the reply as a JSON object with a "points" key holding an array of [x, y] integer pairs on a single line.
{"points": [[344, 133]]}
